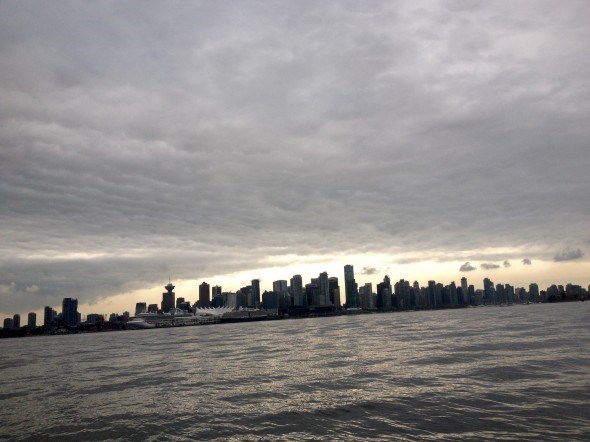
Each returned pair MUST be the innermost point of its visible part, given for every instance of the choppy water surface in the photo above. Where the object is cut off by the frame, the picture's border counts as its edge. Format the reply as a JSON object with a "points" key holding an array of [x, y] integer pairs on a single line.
{"points": [[514, 373]]}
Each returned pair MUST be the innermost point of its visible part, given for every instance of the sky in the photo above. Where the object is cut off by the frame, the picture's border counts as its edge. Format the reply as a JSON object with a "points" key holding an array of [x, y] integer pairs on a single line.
{"points": [[225, 141]]}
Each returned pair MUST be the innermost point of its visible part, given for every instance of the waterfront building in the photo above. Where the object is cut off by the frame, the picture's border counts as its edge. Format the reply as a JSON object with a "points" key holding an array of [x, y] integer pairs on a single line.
{"points": [[69, 311], [489, 291], [465, 289], [16, 321], [32, 319], [534, 292], [297, 291], [255, 284], [334, 292], [270, 301], [8, 323], [216, 290], [384, 294], [453, 296], [152, 308], [366, 297], [141, 307], [168, 298], [204, 291], [431, 299], [95, 318], [324, 289], [49, 316], [280, 288], [350, 287]]}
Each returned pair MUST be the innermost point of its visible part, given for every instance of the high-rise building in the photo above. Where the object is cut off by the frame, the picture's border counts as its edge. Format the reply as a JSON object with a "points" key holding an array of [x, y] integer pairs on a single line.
{"points": [[270, 301], [533, 292], [384, 293], [280, 288], [140, 307], [350, 287], [255, 284], [69, 311], [16, 321], [324, 286], [168, 298], [32, 320], [297, 291], [152, 308], [465, 289], [8, 323], [489, 292], [204, 293], [334, 291], [216, 290], [48, 316], [431, 301]]}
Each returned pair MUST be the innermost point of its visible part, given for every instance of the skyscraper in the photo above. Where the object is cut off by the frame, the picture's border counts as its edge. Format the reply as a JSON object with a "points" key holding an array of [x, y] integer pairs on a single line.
{"points": [[280, 288], [48, 316], [350, 287], [140, 307], [168, 298], [32, 320], [204, 291], [297, 291], [384, 294], [334, 291], [70, 311], [255, 292], [324, 286], [465, 289], [16, 321]]}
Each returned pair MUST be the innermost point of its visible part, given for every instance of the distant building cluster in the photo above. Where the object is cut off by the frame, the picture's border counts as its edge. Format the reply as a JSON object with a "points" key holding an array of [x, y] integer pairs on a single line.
{"points": [[321, 296]]}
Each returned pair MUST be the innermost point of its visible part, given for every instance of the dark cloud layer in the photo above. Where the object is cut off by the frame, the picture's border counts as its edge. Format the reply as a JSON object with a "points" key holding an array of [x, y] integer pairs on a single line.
{"points": [[202, 138], [527, 262], [467, 267], [369, 271], [568, 255], [489, 266]]}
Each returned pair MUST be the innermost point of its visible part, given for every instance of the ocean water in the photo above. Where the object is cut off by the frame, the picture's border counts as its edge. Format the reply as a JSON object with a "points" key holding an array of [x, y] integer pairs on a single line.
{"points": [[490, 373]]}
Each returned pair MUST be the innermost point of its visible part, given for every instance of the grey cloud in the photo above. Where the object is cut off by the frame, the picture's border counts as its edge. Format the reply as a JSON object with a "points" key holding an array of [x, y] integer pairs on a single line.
{"points": [[568, 255], [157, 135], [467, 267], [489, 266], [507, 264], [527, 262], [369, 271]]}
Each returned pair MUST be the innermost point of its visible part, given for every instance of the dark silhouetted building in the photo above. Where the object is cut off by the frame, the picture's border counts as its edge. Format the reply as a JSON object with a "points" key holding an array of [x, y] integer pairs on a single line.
{"points": [[16, 321], [299, 300], [8, 323], [350, 287], [204, 295], [49, 316], [32, 319], [69, 311], [140, 307], [255, 292], [270, 300], [168, 298]]}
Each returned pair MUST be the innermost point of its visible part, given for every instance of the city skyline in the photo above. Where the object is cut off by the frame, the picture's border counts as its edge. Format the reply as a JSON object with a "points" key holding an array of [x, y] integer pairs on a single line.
{"points": [[219, 142], [193, 291]]}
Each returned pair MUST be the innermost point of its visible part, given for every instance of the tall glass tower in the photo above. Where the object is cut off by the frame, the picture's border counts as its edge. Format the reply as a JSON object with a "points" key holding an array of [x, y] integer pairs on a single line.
{"points": [[351, 288]]}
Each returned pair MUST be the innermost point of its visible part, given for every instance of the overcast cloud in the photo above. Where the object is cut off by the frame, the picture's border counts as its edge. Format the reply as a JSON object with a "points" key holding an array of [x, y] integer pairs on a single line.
{"points": [[203, 138]]}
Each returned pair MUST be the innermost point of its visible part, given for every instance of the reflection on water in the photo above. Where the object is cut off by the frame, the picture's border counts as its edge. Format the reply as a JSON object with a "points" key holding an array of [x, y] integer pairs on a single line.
{"points": [[518, 373]]}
